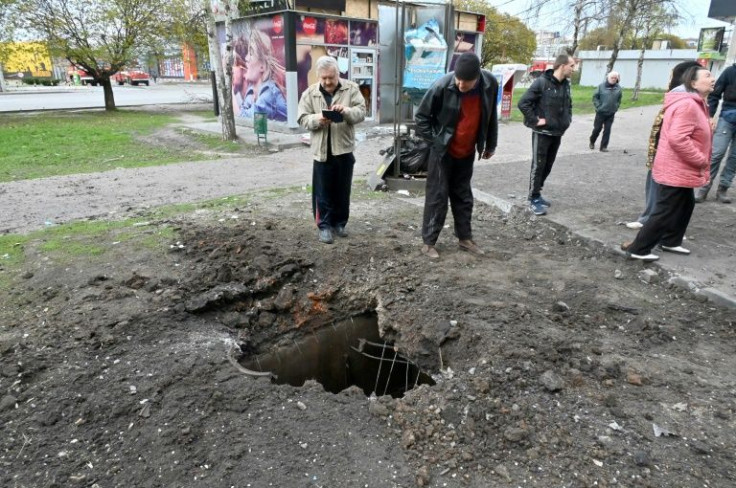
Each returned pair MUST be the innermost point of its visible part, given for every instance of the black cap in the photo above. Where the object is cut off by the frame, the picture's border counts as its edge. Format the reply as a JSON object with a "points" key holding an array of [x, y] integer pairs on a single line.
{"points": [[467, 67]]}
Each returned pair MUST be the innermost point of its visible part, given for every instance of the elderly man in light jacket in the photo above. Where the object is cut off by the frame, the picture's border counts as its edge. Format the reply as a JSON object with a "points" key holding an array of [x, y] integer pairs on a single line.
{"points": [[329, 110]]}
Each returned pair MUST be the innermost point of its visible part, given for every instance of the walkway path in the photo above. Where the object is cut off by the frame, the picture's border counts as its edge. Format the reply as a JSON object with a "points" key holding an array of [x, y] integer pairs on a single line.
{"points": [[592, 192]]}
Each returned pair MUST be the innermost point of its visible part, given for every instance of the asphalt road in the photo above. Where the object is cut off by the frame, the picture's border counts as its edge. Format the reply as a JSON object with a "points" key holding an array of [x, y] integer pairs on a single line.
{"points": [[47, 98]]}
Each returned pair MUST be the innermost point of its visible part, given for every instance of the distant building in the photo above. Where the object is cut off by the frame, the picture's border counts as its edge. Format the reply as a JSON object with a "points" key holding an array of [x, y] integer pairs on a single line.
{"points": [[550, 44]]}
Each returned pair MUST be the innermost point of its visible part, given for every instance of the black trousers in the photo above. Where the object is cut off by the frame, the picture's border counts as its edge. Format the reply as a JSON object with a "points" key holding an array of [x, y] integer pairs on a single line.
{"points": [[668, 222], [447, 177], [602, 122], [331, 183], [544, 152]]}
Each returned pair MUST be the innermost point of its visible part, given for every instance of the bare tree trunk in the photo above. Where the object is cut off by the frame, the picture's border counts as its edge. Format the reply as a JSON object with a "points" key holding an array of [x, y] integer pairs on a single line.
{"points": [[109, 96], [631, 9], [640, 62], [2, 79], [223, 80], [576, 24], [639, 65]]}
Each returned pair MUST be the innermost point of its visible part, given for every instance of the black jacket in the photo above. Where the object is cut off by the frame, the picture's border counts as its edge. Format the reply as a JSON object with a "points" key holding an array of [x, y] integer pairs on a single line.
{"points": [[726, 88], [548, 99], [439, 111]]}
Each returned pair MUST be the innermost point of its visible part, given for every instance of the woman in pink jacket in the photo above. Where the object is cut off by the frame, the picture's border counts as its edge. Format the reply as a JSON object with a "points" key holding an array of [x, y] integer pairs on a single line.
{"points": [[681, 164]]}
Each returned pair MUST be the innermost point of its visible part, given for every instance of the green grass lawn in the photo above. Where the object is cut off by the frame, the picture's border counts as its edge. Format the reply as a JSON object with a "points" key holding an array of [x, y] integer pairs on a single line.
{"points": [[61, 143], [582, 100]]}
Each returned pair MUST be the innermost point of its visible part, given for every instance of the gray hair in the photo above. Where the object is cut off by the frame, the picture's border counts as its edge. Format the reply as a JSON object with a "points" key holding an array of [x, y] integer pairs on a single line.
{"points": [[325, 63]]}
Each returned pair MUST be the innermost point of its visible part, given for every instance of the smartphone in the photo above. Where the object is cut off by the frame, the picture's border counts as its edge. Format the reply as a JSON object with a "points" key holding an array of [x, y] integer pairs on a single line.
{"points": [[332, 115]]}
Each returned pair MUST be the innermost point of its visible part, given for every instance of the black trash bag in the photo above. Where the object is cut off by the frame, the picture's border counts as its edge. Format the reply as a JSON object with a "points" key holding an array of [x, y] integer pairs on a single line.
{"points": [[414, 155]]}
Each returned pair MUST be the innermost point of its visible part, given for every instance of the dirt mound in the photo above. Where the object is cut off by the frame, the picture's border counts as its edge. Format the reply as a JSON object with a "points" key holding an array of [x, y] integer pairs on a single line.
{"points": [[555, 362]]}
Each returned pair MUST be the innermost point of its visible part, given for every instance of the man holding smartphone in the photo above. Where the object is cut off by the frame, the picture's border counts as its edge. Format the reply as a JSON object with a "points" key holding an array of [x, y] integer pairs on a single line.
{"points": [[329, 110]]}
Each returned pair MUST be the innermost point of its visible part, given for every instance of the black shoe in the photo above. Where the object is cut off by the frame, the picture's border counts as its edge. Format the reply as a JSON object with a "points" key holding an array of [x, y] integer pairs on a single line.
{"points": [[591, 145], [325, 235], [340, 231], [604, 149]]}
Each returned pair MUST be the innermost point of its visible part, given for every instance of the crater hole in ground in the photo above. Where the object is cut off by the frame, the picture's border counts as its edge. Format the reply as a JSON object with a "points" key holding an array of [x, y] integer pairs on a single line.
{"points": [[340, 355]]}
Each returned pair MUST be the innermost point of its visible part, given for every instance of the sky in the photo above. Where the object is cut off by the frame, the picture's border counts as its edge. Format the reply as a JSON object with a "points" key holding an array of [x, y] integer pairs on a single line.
{"points": [[553, 17]]}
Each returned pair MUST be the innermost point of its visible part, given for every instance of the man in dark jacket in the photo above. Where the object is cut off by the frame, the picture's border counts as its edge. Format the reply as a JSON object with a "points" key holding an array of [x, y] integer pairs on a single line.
{"points": [[724, 135], [606, 100], [547, 109], [457, 116]]}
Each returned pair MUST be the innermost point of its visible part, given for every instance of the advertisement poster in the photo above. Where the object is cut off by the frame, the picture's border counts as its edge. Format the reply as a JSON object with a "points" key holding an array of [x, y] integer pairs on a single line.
{"points": [[363, 33], [711, 39], [425, 51], [336, 31], [259, 76], [310, 30], [464, 43]]}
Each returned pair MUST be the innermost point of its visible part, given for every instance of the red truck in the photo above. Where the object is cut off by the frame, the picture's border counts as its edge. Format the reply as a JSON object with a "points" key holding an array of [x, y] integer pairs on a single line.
{"points": [[82, 76], [132, 77]]}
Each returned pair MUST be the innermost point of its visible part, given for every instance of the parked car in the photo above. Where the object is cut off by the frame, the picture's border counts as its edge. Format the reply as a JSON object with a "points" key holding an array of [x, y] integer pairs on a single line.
{"points": [[132, 77]]}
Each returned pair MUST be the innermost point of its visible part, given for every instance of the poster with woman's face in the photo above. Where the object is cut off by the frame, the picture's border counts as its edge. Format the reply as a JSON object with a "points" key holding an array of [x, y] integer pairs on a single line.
{"points": [[363, 33], [259, 76]]}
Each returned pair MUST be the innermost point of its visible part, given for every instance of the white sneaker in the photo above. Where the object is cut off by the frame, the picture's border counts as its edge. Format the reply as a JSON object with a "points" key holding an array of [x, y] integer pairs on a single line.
{"points": [[634, 225], [676, 249], [644, 257]]}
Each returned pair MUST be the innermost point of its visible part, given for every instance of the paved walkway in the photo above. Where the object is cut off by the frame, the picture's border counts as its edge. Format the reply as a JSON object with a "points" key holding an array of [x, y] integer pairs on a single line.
{"points": [[592, 193]]}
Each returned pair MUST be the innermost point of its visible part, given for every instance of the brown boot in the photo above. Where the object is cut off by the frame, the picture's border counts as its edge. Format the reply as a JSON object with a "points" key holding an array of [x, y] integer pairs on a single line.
{"points": [[721, 194], [701, 194], [471, 247], [430, 252]]}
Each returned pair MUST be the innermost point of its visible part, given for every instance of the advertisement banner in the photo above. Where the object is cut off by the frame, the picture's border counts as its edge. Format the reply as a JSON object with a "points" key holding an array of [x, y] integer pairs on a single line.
{"points": [[711, 39], [425, 54], [259, 76], [464, 43], [363, 33]]}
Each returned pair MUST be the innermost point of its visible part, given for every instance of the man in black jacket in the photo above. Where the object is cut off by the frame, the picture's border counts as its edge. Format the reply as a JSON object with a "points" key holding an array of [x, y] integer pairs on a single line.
{"points": [[724, 135], [547, 109], [457, 116]]}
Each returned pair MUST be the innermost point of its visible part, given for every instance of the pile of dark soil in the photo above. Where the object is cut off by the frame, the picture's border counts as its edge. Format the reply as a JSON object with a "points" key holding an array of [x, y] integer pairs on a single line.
{"points": [[554, 361]]}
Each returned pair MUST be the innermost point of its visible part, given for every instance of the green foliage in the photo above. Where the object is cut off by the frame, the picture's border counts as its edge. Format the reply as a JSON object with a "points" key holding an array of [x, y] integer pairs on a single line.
{"points": [[640, 22], [8, 11], [185, 22], [506, 40], [66, 143], [100, 37], [602, 36], [675, 41], [28, 80]]}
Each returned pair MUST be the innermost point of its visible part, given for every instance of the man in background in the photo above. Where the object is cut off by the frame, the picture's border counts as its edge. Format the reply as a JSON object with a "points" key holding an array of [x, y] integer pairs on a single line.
{"points": [[547, 109]]}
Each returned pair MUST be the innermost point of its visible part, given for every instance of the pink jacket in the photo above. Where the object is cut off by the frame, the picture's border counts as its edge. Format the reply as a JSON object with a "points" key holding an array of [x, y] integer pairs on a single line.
{"points": [[683, 152]]}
